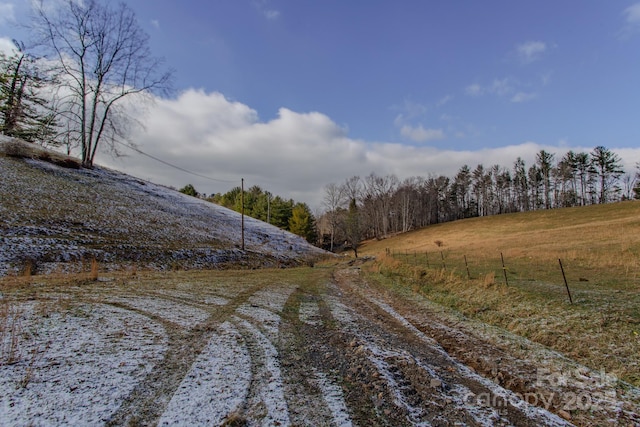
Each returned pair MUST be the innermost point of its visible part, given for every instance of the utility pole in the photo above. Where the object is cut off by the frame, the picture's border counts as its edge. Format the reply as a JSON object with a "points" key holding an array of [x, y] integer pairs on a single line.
{"points": [[242, 209], [268, 208]]}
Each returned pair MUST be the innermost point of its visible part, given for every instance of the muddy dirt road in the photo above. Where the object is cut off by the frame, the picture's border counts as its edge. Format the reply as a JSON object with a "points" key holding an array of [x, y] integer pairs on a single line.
{"points": [[241, 351]]}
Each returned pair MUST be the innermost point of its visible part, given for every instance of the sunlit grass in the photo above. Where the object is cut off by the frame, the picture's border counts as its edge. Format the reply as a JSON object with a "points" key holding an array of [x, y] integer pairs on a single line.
{"points": [[599, 247]]}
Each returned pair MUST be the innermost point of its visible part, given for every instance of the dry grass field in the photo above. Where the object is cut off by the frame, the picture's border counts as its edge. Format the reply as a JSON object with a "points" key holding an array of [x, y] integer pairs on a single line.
{"points": [[304, 346], [599, 247]]}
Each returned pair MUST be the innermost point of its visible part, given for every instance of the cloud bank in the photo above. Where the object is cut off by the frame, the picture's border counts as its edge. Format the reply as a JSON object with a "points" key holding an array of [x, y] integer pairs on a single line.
{"points": [[294, 155]]}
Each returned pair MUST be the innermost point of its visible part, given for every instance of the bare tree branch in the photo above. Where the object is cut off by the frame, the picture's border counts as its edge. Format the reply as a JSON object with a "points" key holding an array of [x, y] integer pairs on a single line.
{"points": [[101, 57]]}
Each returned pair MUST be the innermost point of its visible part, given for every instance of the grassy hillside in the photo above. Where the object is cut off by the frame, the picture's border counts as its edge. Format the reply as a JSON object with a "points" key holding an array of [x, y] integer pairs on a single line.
{"points": [[600, 250], [54, 215]]}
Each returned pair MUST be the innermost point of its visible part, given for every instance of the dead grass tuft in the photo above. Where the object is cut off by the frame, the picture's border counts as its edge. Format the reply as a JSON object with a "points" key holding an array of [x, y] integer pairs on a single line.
{"points": [[235, 420], [489, 280], [10, 331], [28, 270], [93, 273], [24, 150]]}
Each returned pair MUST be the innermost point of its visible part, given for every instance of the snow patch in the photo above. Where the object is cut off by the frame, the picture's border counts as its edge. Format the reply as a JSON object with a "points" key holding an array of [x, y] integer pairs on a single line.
{"points": [[268, 378], [216, 385], [333, 397], [533, 412], [268, 320], [180, 314], [272, 298], [85, 362], [310, 313]]}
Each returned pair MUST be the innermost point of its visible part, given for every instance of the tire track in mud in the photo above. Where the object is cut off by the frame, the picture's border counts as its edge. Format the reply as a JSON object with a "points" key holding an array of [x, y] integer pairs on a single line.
{"points": [[326, 353], [151, 397], [241, 383], [314, 393], [422, 380], [265, 403]]}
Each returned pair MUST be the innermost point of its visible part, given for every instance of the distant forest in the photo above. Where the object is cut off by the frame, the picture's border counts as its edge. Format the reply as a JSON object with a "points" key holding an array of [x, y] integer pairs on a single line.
{"points": [[286, 214], [377, 206]]}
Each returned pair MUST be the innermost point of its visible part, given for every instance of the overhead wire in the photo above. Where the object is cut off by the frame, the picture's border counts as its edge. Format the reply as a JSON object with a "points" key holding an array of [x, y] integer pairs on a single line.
{"points": [[164, 162]]}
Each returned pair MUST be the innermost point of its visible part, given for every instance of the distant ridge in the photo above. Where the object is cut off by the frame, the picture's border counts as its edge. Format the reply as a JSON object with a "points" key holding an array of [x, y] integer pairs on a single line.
{"points": [[55, 215]]}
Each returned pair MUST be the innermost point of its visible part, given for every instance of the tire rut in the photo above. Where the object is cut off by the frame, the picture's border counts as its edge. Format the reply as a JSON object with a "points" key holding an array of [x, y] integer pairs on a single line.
{"points": [[149, 399], [451, 386]]}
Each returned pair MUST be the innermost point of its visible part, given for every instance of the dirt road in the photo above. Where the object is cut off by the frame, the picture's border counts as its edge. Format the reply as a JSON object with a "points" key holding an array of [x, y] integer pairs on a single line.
{"points": [[237, 351]]}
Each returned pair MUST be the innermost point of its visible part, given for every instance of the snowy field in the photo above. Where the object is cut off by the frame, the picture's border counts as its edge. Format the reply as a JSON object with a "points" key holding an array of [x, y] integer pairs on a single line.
{"points": [[55, 217], [285, 347]]}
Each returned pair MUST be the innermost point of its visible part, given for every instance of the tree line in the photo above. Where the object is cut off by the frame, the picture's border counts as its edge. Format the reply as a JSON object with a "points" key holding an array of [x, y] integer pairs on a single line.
{"points": [[377, 206], [286, 214]]}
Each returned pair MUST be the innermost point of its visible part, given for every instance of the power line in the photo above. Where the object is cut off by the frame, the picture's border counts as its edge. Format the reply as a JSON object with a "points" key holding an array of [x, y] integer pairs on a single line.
{"points": [[172, 165]]}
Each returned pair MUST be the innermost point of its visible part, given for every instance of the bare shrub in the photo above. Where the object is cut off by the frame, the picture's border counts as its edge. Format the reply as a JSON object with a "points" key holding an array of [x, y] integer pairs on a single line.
{"points": [[235, 420], [489, 279], [28, 269], [93, 273], [16, 149], [24, 150]]}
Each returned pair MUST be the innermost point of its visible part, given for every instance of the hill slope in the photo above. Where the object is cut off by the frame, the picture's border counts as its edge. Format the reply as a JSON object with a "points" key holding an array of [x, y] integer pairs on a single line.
{"points": [[599, 242], [587, 306], [51, 214]]}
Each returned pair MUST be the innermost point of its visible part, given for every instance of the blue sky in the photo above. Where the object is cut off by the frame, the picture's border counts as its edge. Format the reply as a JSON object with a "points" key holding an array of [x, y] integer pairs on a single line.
{"points": [[404, 87], [573, 66]]}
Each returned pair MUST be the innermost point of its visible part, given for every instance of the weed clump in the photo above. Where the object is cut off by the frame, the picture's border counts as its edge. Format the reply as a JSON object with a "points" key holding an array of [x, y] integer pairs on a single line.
{"points": [[22, 150]]}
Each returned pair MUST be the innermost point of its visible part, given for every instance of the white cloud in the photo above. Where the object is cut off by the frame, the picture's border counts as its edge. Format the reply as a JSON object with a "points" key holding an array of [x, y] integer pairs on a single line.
{"points": [[499, 87], [262, 7], [409, 110], [444, 100], [530, 51], [7, 46], [632, 21], [155, 23], [294, 155], [632, 14], [271, 14], [420, 134], [524, 97], [7, 12], [474, 90]]}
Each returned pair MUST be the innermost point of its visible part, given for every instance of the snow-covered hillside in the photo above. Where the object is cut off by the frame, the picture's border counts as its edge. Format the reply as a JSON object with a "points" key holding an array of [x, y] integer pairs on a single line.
{"points": [[54, 217]]}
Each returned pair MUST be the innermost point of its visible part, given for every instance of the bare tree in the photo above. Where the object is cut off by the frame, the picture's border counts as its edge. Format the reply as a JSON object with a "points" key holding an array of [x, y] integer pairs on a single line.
{"points": [[101, 57], [333, 201], [380, 191], [24, 112], [544, 161], [629, 182], [608, 169]]}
